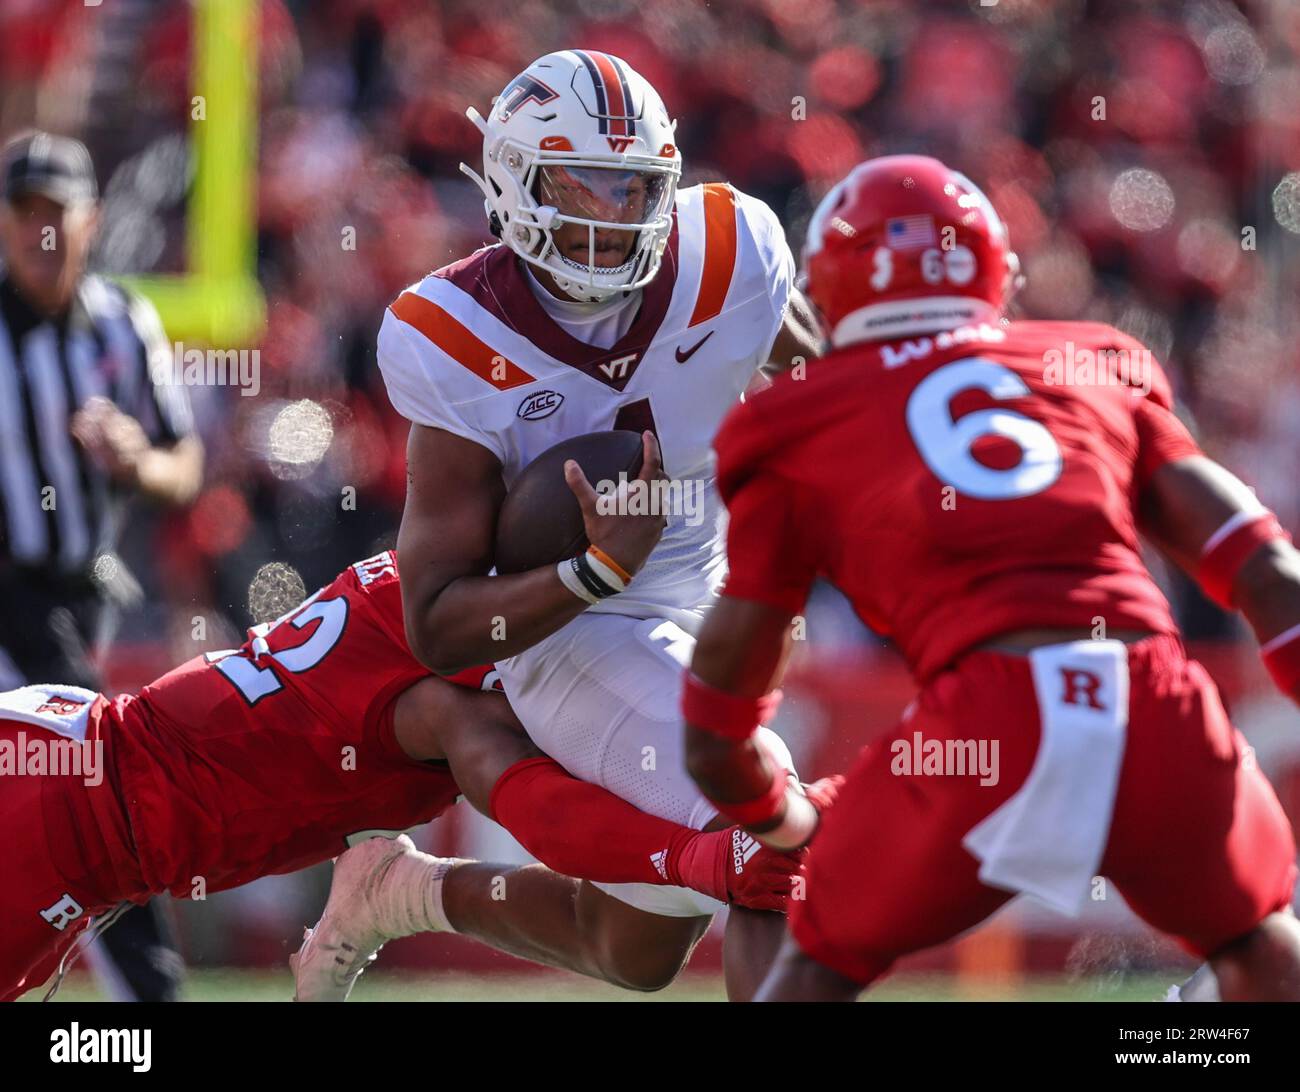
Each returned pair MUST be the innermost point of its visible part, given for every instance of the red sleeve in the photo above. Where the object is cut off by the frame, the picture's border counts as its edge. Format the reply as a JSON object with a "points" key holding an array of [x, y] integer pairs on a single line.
{"points": [[1162, 438], [581, 830], [484, 677], [769, 554]]}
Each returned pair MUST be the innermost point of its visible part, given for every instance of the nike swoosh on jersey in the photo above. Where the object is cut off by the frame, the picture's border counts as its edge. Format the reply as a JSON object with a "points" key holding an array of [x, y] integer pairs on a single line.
{"points": [[683, 357]]}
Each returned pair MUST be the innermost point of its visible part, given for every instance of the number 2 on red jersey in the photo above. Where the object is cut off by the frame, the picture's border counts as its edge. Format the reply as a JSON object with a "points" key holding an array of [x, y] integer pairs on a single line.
{"points": [[254, 682]]}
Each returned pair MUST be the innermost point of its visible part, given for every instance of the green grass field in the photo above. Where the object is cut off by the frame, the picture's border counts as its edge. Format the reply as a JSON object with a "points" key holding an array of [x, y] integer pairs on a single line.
{"points": [[207, 985]]}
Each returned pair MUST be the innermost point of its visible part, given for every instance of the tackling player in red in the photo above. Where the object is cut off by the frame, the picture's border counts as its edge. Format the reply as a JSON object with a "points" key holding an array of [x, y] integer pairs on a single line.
{"points": [[977, 489], [269, 758]]}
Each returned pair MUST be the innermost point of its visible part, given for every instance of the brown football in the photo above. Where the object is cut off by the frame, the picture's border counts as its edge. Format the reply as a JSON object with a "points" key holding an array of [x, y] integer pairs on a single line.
{"points": [[540, 522]]}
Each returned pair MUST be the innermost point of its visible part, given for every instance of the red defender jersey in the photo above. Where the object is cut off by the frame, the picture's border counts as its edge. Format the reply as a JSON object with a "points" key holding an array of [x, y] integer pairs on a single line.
{"points": [[955, 486], [266, 758]]}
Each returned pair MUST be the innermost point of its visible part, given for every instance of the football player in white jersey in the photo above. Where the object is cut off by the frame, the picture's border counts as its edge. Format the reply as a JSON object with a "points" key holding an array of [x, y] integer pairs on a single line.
{"points": [[614, 300]]}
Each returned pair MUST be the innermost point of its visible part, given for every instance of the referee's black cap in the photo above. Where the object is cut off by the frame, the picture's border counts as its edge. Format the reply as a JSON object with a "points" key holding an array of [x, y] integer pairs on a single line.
{"points": [[56, 167]]}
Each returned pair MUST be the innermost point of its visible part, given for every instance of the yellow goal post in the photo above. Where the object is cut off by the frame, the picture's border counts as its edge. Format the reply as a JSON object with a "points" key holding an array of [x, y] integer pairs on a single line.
{"points": [[218, 300]]}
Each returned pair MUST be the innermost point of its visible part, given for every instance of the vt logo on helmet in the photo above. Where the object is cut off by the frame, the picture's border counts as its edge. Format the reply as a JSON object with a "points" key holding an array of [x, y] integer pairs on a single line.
{"points": [[905, 245], [580, 171]]}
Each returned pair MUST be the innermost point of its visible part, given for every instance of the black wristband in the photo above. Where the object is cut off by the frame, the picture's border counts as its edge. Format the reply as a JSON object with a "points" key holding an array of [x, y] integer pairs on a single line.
{"points": [[590, 580]]}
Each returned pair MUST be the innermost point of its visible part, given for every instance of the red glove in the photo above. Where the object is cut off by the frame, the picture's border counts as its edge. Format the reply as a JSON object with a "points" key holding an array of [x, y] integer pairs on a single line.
{"points": [[732, 866]]}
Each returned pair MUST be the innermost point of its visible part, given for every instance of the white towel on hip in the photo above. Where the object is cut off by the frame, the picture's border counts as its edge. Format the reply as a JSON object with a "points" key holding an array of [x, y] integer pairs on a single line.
{"points": [[61, 709], [1048, 839]]}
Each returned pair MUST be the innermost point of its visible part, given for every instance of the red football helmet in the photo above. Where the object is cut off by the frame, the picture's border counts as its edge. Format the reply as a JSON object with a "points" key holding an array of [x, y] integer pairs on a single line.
{"points": [[905, 245]]}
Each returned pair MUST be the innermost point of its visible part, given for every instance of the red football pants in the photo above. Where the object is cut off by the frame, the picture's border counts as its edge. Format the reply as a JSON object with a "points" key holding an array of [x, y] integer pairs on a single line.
{"points": [[65, 856], [1198, 844]]}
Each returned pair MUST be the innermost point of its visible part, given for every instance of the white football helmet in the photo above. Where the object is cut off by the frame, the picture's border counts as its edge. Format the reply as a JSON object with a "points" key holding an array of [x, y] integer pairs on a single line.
{"points": [[580, 171]]}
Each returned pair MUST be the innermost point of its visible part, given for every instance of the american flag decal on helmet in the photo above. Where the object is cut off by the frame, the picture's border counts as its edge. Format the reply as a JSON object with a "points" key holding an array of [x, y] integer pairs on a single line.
{"points": [[910, 232], [614, 108]]}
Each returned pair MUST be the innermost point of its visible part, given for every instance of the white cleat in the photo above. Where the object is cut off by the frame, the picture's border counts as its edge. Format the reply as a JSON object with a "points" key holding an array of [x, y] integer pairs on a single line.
{"points": [[347, 938]]}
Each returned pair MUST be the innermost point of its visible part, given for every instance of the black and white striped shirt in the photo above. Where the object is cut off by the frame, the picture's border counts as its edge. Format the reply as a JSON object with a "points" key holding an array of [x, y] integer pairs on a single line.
{"points": [[111, 344]]}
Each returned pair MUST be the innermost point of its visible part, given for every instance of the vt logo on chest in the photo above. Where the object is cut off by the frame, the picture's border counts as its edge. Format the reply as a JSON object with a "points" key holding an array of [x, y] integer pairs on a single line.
{"points": [[617, 368]]}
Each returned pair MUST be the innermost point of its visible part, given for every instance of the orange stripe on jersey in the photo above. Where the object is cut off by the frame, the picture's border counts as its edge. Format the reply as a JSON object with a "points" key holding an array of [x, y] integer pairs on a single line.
{"points": [[457, 342], [719, 251]]}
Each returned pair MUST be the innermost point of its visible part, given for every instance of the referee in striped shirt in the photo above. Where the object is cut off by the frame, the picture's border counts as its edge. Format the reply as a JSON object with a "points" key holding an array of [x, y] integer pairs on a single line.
{"points": [[83, 427]]}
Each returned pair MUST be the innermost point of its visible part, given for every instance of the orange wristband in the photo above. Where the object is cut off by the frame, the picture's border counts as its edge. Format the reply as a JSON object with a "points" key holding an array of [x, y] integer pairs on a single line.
{"points": [[605, 559]]}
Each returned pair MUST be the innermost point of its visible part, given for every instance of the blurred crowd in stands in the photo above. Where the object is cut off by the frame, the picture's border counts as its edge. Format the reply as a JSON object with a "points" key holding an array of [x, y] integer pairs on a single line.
{"points": [[1145, 153]]}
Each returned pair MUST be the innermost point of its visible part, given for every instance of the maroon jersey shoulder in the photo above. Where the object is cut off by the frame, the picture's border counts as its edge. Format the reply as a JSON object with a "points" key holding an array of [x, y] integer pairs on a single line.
{"points": [[485, 276], [494, 278]]}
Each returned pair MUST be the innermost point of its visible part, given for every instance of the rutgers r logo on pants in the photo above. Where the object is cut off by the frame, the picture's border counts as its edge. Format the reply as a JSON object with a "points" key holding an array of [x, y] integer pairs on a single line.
{"points": [[1081, 688], [63, 913]]}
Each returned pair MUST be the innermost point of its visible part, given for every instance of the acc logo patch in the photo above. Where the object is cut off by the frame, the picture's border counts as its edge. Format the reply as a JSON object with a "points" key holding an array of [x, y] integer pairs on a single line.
{"points": [[539, 404]]}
